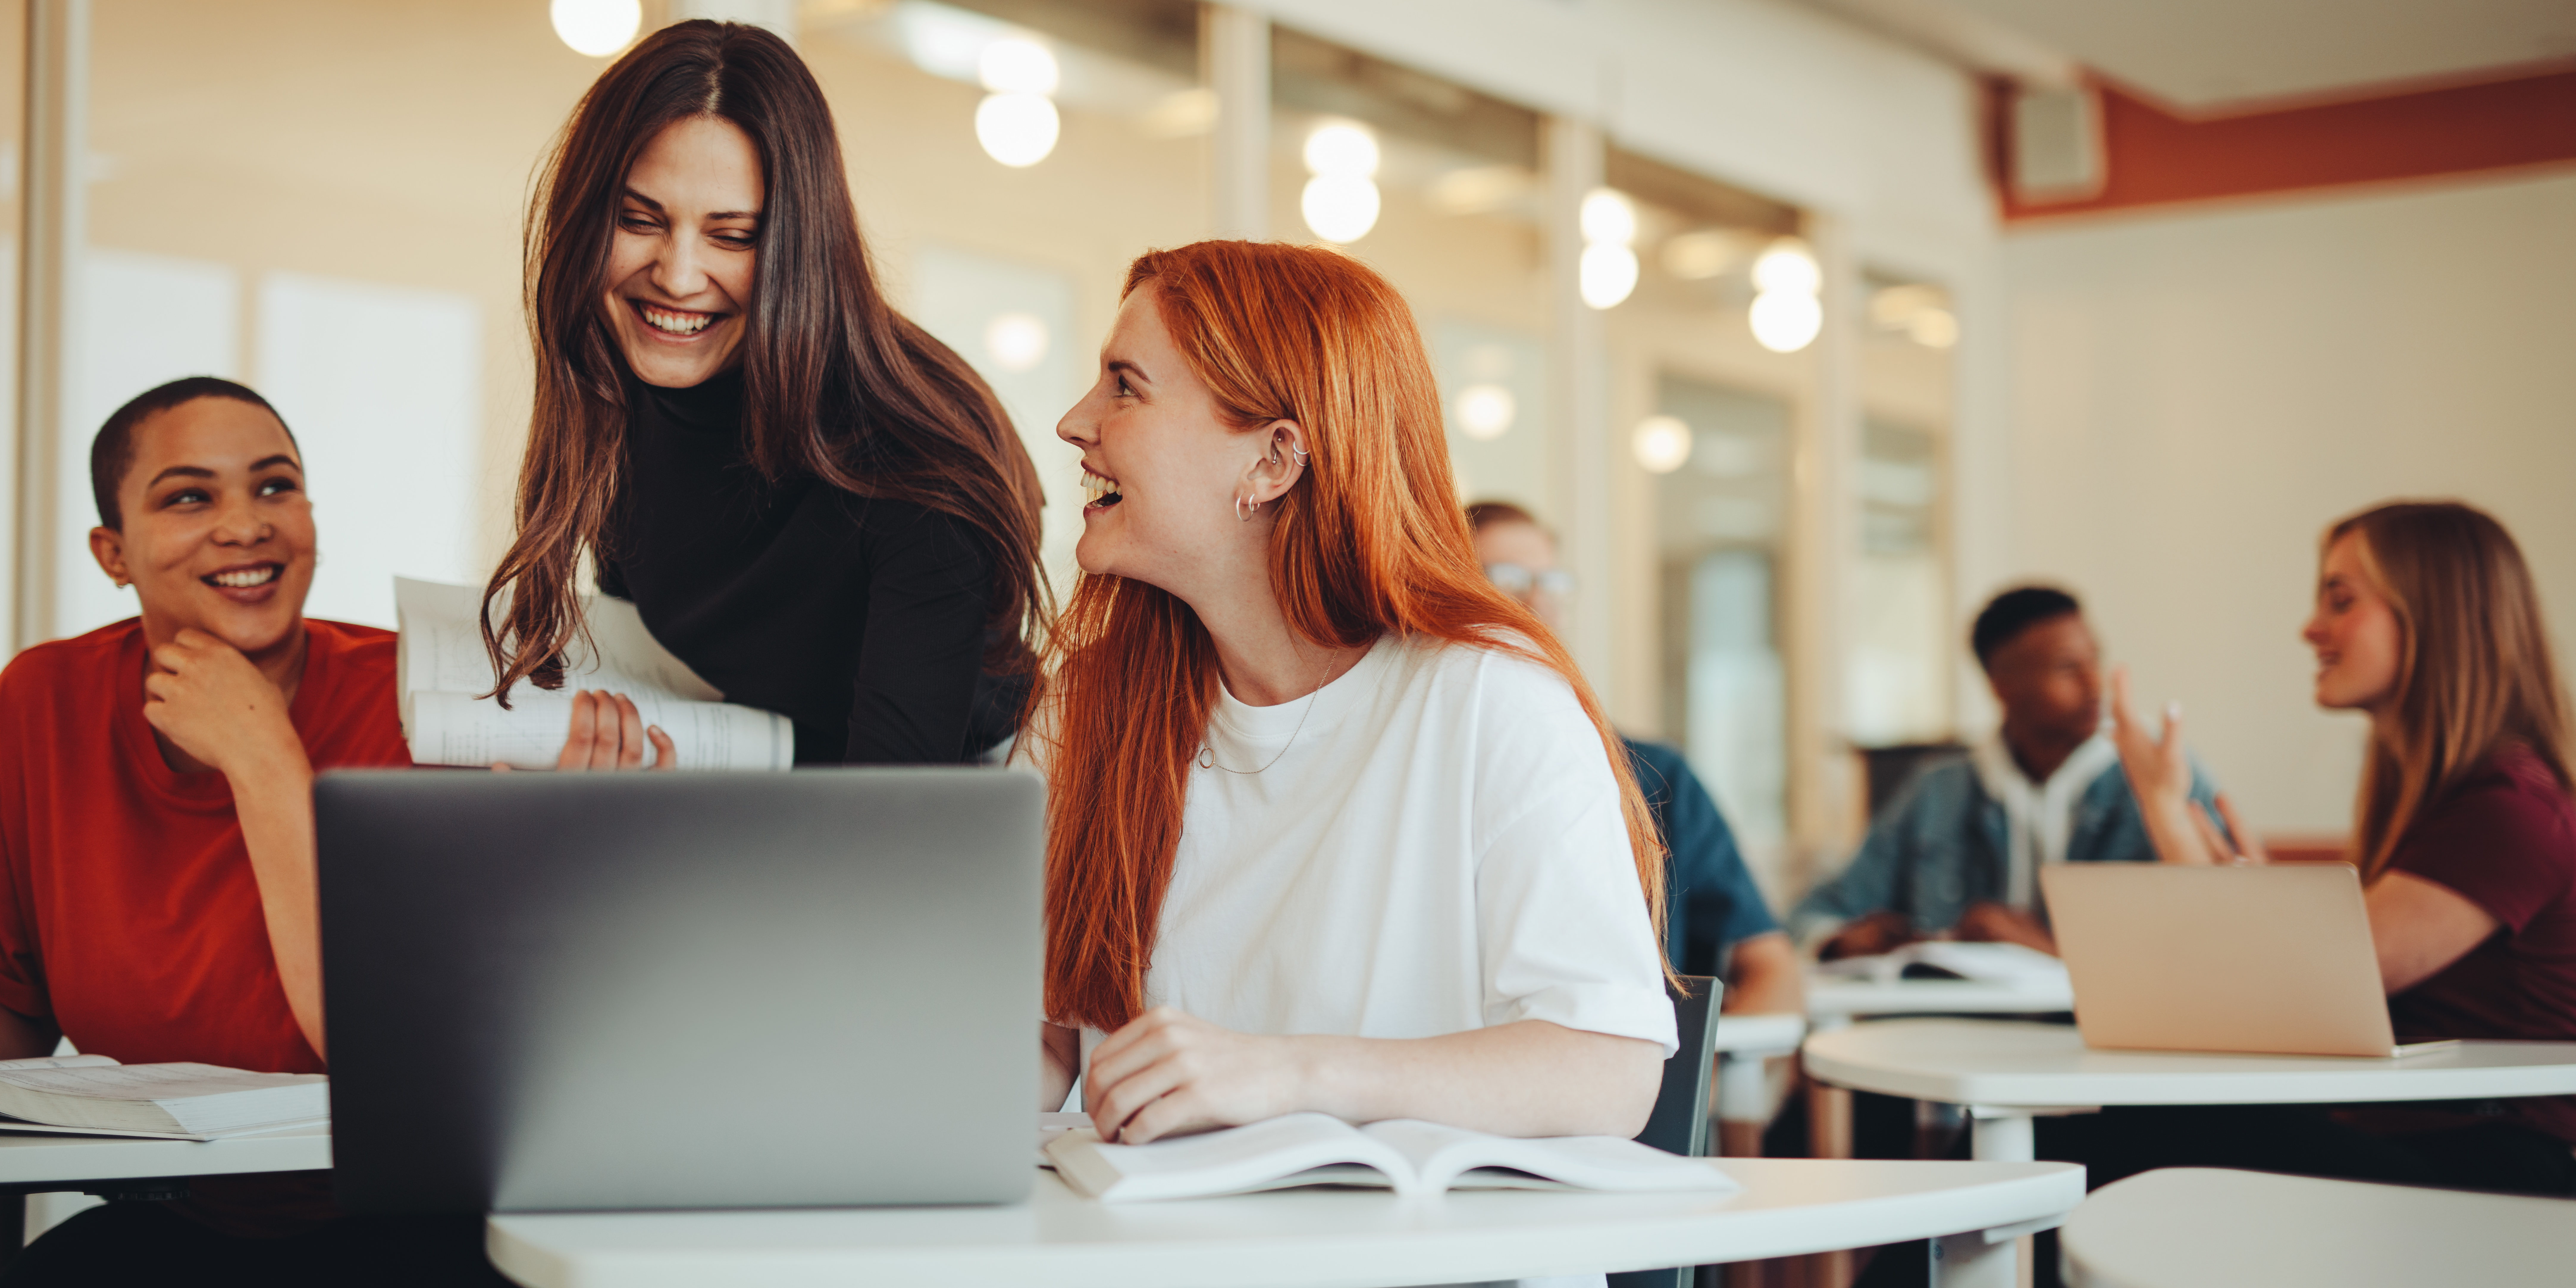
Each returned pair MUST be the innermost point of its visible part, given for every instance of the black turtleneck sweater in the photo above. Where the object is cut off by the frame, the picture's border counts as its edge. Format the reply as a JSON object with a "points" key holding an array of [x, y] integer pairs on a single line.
{"points": [[860, 619]]}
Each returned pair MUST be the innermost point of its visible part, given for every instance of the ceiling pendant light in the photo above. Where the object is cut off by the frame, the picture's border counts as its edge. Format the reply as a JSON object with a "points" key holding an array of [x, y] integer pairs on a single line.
{"points": [[596, 28], [1017, 122]]}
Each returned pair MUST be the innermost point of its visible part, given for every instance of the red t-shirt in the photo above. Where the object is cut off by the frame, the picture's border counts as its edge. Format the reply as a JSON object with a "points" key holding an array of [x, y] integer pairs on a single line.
{"points": [[2504, 838], [128, 913]]}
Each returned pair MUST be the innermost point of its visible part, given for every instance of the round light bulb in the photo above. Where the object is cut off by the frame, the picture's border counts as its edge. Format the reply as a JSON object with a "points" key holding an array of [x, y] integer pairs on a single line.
{"points": [[1608, 216], [1017, 65], [1341, 149], [1016, 341], [1787, 266], [1661, 443], [1486, 411], [1607, 274], [1018, 130], [596, 28], [1785, 321], [1341, 208]]}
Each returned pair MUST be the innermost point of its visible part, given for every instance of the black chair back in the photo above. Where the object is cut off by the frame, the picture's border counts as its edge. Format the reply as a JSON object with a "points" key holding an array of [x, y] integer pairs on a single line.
{"points": [[1679, 1124]]}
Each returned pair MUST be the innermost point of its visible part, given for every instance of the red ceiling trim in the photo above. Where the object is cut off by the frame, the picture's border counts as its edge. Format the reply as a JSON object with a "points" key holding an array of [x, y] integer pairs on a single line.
{"points": [[2153, 157]]}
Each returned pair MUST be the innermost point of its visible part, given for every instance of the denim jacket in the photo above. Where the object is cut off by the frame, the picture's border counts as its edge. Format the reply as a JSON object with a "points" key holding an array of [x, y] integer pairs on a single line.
{"points": [[1943, 844]]}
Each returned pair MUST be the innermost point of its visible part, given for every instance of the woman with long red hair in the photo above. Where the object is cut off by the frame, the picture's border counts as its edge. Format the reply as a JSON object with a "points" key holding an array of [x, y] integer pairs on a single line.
{"points": [[1334, 824]]}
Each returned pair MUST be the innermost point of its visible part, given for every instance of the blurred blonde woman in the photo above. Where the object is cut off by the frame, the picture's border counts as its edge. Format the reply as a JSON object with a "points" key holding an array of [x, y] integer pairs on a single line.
{"points": [[2465, 834]]}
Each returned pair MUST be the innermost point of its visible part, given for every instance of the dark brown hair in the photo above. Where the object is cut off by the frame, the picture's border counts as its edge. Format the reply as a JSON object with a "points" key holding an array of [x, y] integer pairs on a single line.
{"points": [[837, 386], [2474, 670], [111, 454]]}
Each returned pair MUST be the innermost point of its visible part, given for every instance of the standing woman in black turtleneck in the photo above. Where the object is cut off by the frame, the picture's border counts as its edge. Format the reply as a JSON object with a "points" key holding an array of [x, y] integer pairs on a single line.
{"points": [[817, 506]]}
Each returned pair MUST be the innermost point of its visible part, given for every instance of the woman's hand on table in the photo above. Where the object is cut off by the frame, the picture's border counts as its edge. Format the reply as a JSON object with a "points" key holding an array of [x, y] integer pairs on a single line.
{"points": [[608, 733], [1169, 1073]]}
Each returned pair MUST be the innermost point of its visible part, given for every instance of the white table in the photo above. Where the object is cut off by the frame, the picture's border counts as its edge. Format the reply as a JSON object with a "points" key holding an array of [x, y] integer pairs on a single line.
{"points": [[2004, 1072], [32, 1161], [1833, 1001], [1743, 1092], [2255, 1230], [1311, 1238]]}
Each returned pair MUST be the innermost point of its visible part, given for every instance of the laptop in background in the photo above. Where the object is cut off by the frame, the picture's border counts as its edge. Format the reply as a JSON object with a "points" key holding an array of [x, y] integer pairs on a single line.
{"points": [[2273, 960], [570, 992]]}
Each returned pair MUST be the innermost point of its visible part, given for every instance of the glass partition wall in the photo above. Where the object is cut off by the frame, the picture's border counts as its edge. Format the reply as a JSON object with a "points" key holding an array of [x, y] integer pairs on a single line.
{"points": [[1706, 418], [298, 193]]}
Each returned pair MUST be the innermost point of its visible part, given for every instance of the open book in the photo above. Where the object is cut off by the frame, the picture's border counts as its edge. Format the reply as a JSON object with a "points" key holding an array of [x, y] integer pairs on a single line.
{"points": [[1410, 1157], [95, 1096], [440, 668], [1953, 959]]}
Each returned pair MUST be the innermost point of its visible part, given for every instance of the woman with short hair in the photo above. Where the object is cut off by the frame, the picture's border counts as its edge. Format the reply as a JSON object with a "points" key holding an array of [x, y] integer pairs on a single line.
{"points": [[157, 882], [1334, 824], [817, 506]]}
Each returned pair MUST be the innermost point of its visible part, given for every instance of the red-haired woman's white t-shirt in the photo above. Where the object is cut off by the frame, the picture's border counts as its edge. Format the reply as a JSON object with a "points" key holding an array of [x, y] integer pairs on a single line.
{"points": [[1433, 844]]}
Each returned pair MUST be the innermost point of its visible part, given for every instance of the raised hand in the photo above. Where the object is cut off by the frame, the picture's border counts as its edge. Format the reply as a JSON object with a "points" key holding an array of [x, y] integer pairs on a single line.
{"points": [[2159, 773], [1168, 1073]]}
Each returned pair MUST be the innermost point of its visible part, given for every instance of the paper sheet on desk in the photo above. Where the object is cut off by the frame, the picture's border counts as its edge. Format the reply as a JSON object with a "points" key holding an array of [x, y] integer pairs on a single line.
{"points": [[1983, 963]]}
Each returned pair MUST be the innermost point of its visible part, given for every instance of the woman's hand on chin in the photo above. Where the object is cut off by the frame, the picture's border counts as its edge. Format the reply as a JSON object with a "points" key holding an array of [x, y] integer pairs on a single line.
{"points": [[213, 704], [1168, 1073]]}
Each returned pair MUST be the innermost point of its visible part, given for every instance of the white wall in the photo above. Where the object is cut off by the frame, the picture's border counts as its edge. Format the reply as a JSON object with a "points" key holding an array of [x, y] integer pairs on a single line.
{"points": [[2197, 395]]}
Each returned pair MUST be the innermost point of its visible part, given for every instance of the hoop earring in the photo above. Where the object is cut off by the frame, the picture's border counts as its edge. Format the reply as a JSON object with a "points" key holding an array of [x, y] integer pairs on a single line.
{"points": [[1245, 512], [1301, 454]]}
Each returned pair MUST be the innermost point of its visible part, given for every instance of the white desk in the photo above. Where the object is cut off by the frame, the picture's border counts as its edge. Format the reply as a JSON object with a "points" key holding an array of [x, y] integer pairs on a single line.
{"points": [[1312, 1238], [1833, 1001], [31, 1161], [2189, 1227], [1743, 1093], [2005, 1071]]}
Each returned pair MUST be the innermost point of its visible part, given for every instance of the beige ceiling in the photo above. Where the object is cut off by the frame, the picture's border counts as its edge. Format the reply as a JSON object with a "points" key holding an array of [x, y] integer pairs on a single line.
{"points": [[2207, 54], [2218, 55]]}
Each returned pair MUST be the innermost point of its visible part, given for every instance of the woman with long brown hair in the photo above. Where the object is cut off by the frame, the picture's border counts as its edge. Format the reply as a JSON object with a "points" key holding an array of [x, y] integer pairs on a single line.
{"points": [[2426, 620], [1334, 824], [817, 506]]}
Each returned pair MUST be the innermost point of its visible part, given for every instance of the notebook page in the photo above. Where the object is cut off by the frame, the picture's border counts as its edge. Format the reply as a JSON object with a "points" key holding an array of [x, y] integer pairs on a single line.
{"points": [[1449, 1156], [457, 729], [1293, 1149]]}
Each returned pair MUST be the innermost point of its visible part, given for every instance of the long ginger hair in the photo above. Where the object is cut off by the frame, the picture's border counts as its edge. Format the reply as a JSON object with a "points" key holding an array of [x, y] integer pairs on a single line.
{"points": [[1369, 543], [2474, 671], [837, 385]]}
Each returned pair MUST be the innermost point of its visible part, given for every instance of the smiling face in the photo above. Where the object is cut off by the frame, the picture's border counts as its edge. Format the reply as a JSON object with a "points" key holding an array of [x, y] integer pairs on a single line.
{"points": [[2354, 631], [218, 533], [680, 263], [1161, 469]]}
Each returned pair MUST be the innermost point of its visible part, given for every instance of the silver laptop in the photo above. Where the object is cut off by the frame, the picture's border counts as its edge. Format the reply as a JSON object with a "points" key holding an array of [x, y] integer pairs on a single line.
{"points": [[567, 992], [2276, 960]]}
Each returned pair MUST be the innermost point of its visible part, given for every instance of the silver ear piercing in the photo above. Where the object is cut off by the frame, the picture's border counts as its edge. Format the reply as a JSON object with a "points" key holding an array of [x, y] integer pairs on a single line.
{"points": [[1245, 512]]}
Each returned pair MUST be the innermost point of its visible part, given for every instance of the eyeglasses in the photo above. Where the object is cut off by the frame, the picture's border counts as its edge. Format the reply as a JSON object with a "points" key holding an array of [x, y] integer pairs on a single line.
{"points": [[1515, 579]]}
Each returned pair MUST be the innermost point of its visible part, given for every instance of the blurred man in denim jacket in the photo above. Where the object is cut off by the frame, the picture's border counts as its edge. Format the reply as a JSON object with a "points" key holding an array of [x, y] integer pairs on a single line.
{"points": [[1957, 852]]}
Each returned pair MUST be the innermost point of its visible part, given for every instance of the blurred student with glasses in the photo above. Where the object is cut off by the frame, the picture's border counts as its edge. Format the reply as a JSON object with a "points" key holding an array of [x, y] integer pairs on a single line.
{"points": [[1716, 922]]}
